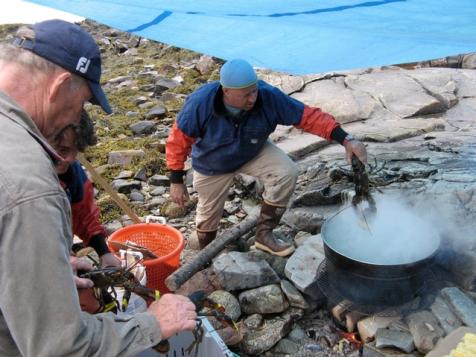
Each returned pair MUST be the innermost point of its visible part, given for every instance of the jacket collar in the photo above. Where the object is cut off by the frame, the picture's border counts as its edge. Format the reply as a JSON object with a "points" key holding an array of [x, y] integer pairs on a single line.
{"points": [[12, 111]]}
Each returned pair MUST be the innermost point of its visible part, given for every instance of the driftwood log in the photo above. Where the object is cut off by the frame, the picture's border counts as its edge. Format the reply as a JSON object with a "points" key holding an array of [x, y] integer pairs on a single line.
{"points": [[186, 271]]}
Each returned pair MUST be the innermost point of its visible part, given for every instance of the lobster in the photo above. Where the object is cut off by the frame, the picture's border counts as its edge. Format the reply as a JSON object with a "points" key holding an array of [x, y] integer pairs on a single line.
{"points": [[105, 279], [362, 192]]}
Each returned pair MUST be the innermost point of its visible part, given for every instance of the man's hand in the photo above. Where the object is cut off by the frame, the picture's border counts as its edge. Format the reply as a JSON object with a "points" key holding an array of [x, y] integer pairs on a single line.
{"points": [[355, 147], [80, 264], [110, 260], [179, 194], [174, 313]]}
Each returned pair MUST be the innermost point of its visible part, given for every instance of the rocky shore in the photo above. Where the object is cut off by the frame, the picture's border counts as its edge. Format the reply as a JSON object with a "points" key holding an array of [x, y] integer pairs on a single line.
{"points": [[418, 122]]}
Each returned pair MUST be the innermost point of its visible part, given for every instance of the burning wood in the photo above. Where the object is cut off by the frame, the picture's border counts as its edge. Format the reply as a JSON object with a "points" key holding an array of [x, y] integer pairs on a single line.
{"points": [[353, 339], [338, 311], [351, 320]]}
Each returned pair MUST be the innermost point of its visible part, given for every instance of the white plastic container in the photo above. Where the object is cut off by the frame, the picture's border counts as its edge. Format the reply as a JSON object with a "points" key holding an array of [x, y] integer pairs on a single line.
{"points": [[211, 346]]}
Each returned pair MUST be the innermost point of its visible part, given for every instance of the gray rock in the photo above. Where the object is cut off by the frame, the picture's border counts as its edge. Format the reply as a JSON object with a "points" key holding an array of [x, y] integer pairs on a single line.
{"points": [[297, 334], [136, 196], [294, 297], [253, 322], [228, 301], [301, 237], [141, 175], [461, 304], [164, 84], [140, 100], [162, 132], [263, 300], [286, 346], [205, 64], [301, 268], [392, 90], [143, 127], [159, 180], [148, 87], [148, 75], [304, 219], [425, 330], [113, 226], [469, 61], [323, 196], [125, 186], [172, 210], [238, 271], [445, 316], [157, 112], [438, 83], [231, 207], [370, 350], [287, 83], [256, 341], [333, 96], [155, 202], [124, 157], [393, 338], [132, 114], [125, 174], [158, 191], [120, 79], [277, 263]]}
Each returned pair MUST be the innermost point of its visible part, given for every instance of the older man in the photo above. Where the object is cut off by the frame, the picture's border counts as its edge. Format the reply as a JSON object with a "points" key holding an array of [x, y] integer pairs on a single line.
{"points": [[226, 125], [46, 76]]}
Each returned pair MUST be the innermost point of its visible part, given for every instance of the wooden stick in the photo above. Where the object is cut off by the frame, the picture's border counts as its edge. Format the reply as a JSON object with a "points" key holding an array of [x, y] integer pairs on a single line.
{"points": [[185, 272], [107, 187]]}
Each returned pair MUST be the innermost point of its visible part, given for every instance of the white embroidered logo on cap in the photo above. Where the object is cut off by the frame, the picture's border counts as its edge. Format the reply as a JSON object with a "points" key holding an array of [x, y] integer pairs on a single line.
{"points": [[83, 64]]}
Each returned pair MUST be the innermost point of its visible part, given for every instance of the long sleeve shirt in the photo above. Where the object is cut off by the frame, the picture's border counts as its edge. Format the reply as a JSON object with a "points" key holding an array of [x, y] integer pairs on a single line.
{"points": [[39, 307], [220, 143]]}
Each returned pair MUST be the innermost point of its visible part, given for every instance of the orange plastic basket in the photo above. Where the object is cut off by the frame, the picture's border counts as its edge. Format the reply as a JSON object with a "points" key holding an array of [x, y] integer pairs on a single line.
{"points": [[164, 241]]}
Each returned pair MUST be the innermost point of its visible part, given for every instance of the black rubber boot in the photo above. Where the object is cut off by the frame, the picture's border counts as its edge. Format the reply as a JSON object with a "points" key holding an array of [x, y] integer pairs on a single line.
{"points": [[265, 240], [205, 238]]}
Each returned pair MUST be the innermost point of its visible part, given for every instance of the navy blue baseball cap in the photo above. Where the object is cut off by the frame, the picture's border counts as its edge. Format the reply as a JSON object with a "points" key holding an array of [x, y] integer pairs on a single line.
{"points": [[72, 48]]}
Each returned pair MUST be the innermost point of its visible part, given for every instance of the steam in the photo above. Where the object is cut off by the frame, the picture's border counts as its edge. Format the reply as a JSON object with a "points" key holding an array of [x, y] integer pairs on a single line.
{"points": [[396, 234]]}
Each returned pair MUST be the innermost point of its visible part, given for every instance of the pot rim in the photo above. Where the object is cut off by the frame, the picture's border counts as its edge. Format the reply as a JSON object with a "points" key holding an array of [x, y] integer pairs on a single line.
{"points": [[326, 242]]}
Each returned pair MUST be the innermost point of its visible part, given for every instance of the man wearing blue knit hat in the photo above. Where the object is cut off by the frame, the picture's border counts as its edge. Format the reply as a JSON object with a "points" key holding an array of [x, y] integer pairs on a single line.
{"points": [[226, 126]]}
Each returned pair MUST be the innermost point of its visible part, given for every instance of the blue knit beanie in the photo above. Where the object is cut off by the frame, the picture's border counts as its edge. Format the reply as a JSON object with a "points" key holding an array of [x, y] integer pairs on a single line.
{"points": [[236, 74]]}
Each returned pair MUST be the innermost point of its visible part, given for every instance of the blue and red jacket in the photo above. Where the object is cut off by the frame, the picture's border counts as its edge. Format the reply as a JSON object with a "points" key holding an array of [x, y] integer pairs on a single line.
{"points": [[220, 143], [84, 211]]}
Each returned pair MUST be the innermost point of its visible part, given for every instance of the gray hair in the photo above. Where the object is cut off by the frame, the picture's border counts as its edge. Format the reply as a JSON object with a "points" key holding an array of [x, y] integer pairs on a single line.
{"points": [[26, 58]]}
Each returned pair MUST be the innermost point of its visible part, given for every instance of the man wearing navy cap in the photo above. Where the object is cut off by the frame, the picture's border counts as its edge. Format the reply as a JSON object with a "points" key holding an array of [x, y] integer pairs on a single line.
{"points": [[225, 125], [47, 75]]}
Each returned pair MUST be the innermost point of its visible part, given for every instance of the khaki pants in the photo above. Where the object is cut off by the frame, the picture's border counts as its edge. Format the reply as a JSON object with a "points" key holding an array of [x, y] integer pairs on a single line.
{"points": [[272, 167]]}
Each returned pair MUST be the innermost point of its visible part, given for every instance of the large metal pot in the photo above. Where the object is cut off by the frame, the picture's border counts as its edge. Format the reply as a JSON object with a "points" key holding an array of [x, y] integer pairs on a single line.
{"points": [[382, 263]]}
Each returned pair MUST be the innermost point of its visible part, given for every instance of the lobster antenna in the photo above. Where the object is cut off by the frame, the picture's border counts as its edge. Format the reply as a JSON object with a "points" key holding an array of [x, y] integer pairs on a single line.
{"points": [[140, 260]]}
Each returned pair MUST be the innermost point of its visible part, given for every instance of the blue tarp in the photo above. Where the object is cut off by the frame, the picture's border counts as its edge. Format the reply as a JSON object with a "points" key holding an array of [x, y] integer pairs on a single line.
{"points": [[296, 36]]}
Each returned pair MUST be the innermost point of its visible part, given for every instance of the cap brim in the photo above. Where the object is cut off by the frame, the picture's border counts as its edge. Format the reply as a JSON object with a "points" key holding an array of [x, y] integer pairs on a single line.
{"points": [[99, 97]]}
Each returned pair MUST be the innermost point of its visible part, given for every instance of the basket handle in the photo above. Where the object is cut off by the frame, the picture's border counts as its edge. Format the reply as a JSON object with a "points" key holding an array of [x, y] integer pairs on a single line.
{"points": [[158, 219]]}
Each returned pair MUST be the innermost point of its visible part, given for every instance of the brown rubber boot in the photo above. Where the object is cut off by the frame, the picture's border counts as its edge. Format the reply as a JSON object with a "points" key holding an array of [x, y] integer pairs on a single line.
{"points": [[205, 238], [265, 240]]}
